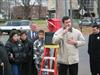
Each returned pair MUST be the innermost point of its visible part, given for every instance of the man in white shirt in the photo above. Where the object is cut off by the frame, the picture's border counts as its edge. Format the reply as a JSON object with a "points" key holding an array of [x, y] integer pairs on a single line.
{"points": [[69, 40]]}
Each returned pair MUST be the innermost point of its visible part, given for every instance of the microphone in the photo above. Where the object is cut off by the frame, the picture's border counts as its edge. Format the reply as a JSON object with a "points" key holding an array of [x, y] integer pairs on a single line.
{"points": [[67, 28]]}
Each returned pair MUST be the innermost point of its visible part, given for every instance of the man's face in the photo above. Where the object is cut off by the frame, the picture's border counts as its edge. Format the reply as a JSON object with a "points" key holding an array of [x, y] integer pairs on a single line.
{"points": [[95, 30], [23, 37], [41, 35], [33, 27], [67, 23]]}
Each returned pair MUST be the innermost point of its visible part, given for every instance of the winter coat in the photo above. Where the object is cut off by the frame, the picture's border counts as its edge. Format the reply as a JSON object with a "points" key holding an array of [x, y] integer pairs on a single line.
{"points": [[39, 46], [16, 49], [38, 50], [28, 50], [68, 54], [94, 45], [4, 59]]}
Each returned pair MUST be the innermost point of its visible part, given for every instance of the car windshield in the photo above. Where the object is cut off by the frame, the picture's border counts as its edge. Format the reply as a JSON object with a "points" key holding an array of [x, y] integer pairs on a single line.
{"points": [[25, 23], [18, 23], [98, 20], [13, 23]]}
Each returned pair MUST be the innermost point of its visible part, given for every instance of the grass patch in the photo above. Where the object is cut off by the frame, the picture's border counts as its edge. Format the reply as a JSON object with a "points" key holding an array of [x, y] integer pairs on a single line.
{"points": [[42, 24], [2, 21]]}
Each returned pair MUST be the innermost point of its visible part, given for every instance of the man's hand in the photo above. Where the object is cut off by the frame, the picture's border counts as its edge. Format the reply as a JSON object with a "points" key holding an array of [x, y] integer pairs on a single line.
{"points": [[2, 64], [72, 41], [11, 55], [66, 30]]}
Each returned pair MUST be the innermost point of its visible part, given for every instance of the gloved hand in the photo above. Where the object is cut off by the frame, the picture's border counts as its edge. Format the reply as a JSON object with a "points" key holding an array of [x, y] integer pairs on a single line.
{"points": [[2, 64]]}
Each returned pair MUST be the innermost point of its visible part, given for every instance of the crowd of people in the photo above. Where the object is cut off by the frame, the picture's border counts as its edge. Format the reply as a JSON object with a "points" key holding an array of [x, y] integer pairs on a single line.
{"points": [[23, 51], [17, 56]]}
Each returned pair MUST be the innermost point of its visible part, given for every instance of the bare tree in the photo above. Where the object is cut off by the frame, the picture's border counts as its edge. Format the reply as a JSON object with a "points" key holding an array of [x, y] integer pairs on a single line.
{"points": [[5, 8], [27, 7], [39, 9], [0, 5]]}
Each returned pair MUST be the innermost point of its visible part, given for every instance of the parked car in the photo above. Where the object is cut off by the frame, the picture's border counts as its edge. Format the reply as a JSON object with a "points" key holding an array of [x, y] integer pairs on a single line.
{"points": [[85, 22], [18, 25], [97, 21]]}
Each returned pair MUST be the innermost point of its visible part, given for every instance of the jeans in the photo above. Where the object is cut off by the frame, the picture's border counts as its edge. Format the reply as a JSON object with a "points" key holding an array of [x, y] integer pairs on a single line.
{"points": [[16, 69]]}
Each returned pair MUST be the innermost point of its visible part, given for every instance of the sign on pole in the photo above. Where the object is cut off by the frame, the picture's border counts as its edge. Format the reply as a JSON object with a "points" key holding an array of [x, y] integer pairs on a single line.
{"points": [[82, 12]]}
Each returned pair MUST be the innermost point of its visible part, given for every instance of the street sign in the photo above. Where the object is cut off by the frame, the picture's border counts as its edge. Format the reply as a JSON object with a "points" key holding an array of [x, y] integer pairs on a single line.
{"points": [[82, 11]]}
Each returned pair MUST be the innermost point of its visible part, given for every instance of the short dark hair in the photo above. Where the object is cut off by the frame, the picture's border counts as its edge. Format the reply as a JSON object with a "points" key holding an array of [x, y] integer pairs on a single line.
{"points": [[65, 18], [97, 26], [23, 32], [12, 33], [41, 31], [0, 32]]}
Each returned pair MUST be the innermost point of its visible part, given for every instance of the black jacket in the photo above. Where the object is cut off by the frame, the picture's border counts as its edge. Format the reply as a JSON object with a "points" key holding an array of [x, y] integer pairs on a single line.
{"points": [[31, 36], [28, 50], [17, 50], [94, 45], [4, 59]]}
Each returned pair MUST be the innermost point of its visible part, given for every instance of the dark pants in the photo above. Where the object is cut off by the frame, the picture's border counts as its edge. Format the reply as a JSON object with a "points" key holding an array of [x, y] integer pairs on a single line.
{"points": [[34, 69], [94, 65], [6, 69], [1, 71], [68, 69], [26, 69]]}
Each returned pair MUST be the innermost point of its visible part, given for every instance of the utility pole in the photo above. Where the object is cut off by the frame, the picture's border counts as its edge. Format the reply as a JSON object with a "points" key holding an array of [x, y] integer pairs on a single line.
{"points": [[66, 8], [62, 8], [39, 11], [71, 15], [15, 2], [9, 9], [1, 5], [59, 8]]}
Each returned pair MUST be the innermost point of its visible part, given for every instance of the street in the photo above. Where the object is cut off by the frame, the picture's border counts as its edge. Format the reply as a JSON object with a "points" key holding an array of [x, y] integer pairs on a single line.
{"points": [[84, 68], [84, 59]]}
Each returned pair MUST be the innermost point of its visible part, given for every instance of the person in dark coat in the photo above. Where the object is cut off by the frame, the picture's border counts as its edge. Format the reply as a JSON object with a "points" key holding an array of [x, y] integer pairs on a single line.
{"points": [[33, 35], [15, 52], [5, 67], [28, 51], [94, 50]]}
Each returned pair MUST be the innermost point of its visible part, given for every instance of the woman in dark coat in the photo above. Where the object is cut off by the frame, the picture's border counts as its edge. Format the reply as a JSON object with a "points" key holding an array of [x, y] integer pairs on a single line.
{"points": [[94, 50], [28, 51], [5, 67], [15, 52]]}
